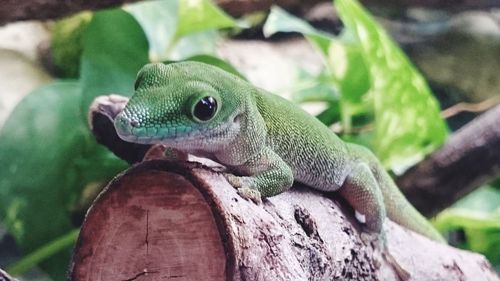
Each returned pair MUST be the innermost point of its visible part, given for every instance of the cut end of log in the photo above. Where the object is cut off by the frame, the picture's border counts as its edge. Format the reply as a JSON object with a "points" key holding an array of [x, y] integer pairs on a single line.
{"points": [[153, 224]]}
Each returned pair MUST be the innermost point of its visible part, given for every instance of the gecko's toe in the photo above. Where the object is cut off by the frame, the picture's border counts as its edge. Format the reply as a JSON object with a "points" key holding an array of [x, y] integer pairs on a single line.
{"points": [[250, 193], [233, 180]]}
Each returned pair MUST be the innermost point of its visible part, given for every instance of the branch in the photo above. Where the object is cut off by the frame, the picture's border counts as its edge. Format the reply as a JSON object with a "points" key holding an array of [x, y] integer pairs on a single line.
{"points": [[469, 159], [169, 220], [11, 10], [451, 6]]}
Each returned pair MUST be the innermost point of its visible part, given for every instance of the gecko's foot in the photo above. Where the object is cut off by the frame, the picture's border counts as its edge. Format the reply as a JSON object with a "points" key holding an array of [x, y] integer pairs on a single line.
{"points": [[250, 193], [379, 243], [402, 273], [235, 181], [373, 238], [243, 186]]}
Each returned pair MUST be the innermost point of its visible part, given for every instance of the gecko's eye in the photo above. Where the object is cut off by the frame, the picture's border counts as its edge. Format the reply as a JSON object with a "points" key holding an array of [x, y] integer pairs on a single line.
{"points": [[205, 109]]}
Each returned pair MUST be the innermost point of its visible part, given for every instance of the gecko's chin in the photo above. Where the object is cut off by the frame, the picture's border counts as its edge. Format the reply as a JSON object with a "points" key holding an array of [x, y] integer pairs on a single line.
{"points": [[158, 139], [140, 139]]}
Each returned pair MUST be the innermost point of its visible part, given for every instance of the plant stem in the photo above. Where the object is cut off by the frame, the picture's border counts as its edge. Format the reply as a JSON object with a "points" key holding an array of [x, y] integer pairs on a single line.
{"points": [[43, 253]]}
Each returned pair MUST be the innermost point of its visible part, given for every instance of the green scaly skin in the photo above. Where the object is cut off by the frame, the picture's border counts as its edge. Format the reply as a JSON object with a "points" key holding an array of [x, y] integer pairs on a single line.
{"points": [[266, 141]]}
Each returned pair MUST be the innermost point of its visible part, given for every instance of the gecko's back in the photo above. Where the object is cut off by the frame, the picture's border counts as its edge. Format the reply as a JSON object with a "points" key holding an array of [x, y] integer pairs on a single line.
{"points": [[320, 159], [317, 156]]}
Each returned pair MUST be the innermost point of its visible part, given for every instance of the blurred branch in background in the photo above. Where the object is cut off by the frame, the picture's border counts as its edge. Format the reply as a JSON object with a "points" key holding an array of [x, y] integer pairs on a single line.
{"points": [[469, 159], [471, 107], [11, 10]]}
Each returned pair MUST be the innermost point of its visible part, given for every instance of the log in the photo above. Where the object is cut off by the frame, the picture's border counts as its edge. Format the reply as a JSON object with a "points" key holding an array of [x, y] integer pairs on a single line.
{"points": [[470, 158], [163, 220]]}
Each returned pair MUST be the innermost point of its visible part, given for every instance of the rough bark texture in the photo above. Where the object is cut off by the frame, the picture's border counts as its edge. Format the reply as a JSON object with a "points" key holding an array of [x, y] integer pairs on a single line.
{"points": [[161, 220], [11, 10], [469, 159]]}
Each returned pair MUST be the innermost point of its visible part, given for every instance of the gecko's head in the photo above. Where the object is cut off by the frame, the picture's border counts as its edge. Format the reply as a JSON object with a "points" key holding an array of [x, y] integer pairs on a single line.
{"points": [[185, 105]]}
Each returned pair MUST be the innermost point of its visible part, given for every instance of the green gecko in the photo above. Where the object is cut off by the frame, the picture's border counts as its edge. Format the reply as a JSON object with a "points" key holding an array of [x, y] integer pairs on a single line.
{"points": [[266, 141]]}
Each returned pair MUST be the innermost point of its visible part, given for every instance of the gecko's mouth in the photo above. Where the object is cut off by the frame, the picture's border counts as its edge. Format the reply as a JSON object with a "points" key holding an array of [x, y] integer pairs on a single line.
{"points": [[131, 132]]}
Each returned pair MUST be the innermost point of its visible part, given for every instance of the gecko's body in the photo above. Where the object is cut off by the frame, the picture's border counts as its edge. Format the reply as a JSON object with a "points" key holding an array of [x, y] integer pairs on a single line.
{"points": [[266, 141]]}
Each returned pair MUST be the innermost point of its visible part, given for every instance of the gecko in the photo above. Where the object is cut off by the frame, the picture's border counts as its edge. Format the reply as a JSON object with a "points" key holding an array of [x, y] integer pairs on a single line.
{"points": [[266, 141]]}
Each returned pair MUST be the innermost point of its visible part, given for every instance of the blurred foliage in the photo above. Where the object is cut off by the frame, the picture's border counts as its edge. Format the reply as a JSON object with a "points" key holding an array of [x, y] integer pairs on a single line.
{"points": [[478, 216], [66, 45], [51, 156], [52, 159], [376, 82]]}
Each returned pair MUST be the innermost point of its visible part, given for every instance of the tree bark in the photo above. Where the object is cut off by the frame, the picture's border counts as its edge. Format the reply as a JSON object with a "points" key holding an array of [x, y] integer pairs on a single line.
{"points": [[162, 220], [469, 159]]}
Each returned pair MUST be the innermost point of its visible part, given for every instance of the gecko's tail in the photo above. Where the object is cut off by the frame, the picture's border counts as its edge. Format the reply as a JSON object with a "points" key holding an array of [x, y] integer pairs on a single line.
{"points": [[398, 209], [401, 211]]}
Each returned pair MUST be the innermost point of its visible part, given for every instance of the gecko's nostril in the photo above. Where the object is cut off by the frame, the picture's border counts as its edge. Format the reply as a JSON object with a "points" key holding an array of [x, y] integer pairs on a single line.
{"points": [[134, 123]]}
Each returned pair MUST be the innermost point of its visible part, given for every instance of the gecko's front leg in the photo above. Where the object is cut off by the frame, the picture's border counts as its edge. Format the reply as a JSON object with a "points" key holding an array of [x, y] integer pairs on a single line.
{"points": [[266, 174]]}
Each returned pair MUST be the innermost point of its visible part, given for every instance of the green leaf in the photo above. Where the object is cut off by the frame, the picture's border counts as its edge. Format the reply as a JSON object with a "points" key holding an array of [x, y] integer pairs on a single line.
{"points": [[349, 70], [158, 20], [375, 78], [330, 115], [176, 29], [193, 44], [315, 88], [201, 15], [66, 44], [115, 48], [45, 145], [486, 199], [281, 21], [217, 62], [408, 123]]}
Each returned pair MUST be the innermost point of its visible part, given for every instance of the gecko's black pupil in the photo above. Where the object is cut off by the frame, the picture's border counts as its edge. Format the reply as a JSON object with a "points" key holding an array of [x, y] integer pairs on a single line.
{"points": [[205, 109]]}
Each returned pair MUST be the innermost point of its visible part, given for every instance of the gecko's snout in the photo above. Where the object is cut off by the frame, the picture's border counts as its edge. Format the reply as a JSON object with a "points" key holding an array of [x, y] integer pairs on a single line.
{"points": [[124, 125]]}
